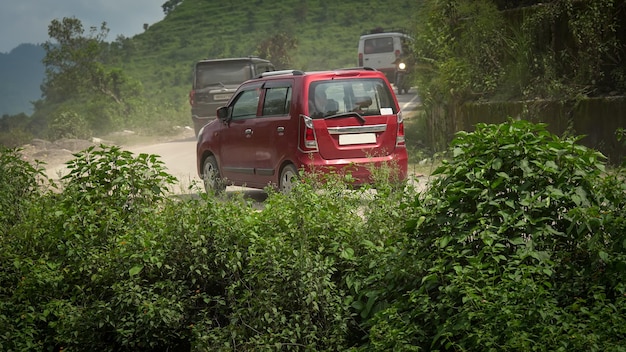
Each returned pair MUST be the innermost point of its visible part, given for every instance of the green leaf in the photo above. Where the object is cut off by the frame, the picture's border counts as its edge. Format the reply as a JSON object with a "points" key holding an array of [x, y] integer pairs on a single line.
{"points": [[420, 221], [540, 255], [135, 270], [497, 164], [347, 253], [443, 242], [517, 241], [604, 256], [430, 277]]}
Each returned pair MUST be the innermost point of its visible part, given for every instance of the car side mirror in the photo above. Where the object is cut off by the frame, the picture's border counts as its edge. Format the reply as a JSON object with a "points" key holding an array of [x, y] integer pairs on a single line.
{"points": [[222, 113]]}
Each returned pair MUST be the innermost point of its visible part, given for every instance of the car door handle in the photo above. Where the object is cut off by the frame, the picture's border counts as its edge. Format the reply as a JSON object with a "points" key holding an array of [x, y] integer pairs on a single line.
{"points": [[248, 131], [280, 129]]}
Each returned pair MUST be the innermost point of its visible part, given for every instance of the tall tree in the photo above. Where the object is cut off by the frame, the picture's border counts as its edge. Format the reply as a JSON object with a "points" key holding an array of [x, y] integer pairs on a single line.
{"points": [[75, 68], [72, 59], [277, 48], [78, 83]]}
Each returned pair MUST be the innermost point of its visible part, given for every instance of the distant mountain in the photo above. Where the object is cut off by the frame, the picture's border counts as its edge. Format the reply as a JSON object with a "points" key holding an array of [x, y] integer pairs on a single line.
{"points": [[21, 75]]}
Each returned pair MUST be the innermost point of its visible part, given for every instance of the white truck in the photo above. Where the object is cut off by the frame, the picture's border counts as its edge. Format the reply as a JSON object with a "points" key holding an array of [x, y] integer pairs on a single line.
{"points": [[379, 50]]}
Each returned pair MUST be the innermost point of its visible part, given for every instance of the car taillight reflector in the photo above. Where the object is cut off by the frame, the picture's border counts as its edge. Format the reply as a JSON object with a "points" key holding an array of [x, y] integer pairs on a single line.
{"points": [[400, 136], [310, 141], [360, 59]]}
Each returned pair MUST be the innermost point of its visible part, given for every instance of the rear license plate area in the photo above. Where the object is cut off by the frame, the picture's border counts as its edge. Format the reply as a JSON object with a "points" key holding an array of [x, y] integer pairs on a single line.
{"points": [[222, 96], [358, 138]]}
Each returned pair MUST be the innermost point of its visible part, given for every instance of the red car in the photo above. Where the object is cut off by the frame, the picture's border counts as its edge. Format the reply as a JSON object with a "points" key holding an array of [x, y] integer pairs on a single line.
{"points": [[340, 121]]}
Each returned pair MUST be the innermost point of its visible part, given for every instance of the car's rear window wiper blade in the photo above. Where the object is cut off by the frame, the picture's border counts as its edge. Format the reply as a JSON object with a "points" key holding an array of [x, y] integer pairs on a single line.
{"points": [[213, 84], [347, 114]]}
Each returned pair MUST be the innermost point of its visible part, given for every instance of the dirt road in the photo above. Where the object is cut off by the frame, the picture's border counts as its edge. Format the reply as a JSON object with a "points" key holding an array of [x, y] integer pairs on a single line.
{"points": [[179, 157]]}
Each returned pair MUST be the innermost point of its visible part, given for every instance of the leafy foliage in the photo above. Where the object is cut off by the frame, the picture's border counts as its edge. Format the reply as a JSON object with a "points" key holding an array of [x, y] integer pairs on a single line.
{"points": [[277, 48], [516, 245], [81, 93], [557, 49], [20, 184], [458, 49], [68, 124], [14, 131]]}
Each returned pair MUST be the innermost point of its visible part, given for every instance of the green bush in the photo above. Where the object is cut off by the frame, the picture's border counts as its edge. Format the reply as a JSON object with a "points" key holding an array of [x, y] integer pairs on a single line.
{"points": [[517, 245], [20, 184], [66, 123]]}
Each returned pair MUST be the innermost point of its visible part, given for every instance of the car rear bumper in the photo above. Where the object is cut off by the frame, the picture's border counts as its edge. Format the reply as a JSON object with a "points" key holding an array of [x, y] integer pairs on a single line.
{"points": [[360, 169]]}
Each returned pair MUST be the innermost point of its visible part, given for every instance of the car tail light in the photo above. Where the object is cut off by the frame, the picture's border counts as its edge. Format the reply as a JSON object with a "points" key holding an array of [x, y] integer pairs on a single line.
{"points": [[397, 53], [192, 97], [310, 141], [360, 59], [400, 141]]}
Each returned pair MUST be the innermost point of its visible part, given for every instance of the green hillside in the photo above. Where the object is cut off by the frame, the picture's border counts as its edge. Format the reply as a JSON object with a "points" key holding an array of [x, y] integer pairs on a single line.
{"points": [[326, 34]]}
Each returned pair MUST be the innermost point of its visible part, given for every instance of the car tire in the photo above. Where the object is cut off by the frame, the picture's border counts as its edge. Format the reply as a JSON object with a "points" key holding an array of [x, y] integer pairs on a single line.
{"points": [[288, 176], [213, 183]]}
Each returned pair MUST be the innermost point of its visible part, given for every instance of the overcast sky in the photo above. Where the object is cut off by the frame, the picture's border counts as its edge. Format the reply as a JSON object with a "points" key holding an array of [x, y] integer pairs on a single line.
{"points": [[26, 21]]}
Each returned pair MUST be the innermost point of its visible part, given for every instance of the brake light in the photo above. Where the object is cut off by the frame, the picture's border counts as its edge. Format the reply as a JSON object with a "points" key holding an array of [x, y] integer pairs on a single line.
{"points": [[310, 141], [360, 59], [192, 99], [400, 141], [397, 53]]}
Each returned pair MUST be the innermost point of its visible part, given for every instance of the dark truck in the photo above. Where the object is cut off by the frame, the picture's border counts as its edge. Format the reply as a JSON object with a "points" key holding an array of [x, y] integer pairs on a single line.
{"points": [[215, 81]]}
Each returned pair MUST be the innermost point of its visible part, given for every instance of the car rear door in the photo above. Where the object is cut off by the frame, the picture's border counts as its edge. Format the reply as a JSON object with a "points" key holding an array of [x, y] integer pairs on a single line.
{"points": [[277, 134], [379, 52]]}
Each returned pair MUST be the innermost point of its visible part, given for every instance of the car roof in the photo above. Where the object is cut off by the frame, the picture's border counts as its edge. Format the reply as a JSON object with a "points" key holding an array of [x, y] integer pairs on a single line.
{"points": [[230, 59], [320, 75], [384, 34]]}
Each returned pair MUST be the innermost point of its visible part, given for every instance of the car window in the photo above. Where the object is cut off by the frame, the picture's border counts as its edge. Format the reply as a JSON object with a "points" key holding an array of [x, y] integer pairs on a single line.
{"points": [[277, 101], [245, 106], [378, 45], [222, 73], [365, 96], [263, 67]]}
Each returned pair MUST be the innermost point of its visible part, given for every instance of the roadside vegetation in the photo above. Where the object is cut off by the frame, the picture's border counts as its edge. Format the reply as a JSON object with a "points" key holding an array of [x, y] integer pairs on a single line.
{"points": [[497, 50], [517, 245]]}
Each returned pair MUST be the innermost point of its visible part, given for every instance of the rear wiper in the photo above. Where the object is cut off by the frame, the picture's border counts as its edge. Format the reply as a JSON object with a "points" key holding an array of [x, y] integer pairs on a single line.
{"points": [[215, 84], [347, 114]]}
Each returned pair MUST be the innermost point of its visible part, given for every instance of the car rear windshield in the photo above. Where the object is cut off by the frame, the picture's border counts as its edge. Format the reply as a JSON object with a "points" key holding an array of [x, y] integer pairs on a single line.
{"points": [[378, 45], [222, 73], [367, 96]]}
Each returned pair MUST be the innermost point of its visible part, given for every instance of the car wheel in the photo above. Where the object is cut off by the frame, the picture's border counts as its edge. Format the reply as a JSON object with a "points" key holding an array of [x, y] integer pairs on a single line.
{"points": [[288, 176], [213, 183]]}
